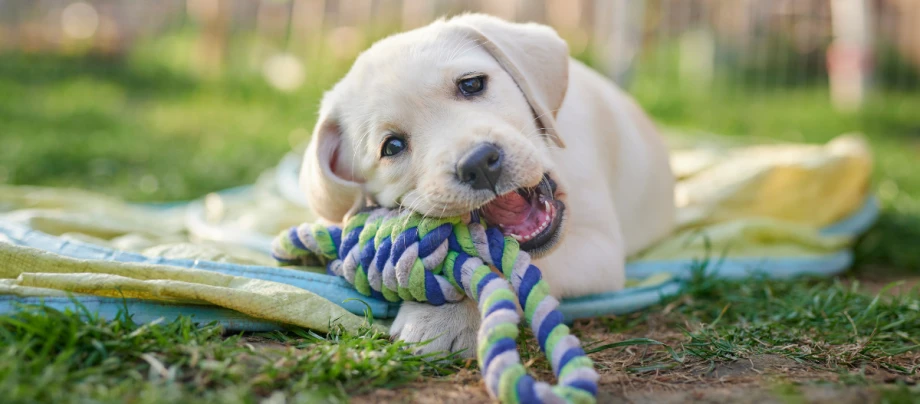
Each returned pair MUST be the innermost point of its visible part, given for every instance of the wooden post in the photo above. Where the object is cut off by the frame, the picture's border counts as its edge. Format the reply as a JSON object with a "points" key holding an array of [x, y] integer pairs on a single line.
{"points": [[214, 17], [307, 23], [507, 9], [618, 36], [850, 56], [416, 13]]}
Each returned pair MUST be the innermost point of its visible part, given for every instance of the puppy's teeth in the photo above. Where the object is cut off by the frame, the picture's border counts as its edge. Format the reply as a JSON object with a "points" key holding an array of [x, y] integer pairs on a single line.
{"points": [[546, 205], [516, 237]]}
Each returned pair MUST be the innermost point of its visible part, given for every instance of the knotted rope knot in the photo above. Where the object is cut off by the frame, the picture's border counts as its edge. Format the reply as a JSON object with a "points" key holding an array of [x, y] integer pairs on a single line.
{"points": [[399, 255]]}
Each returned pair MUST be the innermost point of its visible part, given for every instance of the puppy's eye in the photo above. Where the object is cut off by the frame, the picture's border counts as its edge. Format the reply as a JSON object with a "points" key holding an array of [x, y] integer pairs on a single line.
{"points": [[392, 146], [472, 85]]}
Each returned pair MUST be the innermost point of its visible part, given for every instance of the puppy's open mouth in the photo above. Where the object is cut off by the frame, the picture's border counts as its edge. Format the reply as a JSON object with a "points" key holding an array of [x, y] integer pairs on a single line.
{"points": [[532, 216]]}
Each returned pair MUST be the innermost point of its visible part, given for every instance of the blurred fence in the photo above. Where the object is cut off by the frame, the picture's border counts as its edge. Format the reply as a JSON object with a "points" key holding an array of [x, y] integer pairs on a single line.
{"points": [[751, 45]]}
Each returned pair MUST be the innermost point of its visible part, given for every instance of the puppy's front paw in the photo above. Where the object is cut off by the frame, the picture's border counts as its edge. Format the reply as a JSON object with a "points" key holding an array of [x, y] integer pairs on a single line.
{"points": [[450, 327]]}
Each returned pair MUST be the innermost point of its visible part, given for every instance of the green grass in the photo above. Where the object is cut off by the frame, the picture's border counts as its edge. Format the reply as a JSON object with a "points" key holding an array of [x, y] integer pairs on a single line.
{"points": [[52, 356], [140, 132], [825, 322], [826, 325], [831, 324]]}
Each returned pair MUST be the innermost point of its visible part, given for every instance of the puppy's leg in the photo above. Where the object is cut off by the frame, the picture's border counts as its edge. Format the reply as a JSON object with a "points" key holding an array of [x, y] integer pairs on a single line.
{"points": [[586, 262], [451, 327]]}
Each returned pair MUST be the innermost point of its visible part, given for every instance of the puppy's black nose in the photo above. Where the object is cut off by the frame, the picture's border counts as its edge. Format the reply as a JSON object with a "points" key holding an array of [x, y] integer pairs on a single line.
{"points": [[481, 166]]}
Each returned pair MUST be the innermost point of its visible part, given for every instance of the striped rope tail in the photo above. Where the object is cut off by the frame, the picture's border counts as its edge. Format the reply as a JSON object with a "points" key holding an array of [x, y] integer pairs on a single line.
{"points": [[397, 255]]}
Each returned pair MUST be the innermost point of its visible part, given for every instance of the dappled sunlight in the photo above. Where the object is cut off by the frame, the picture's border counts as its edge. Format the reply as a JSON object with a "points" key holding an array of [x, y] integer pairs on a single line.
{"points": [[79, 20], [284, 72]]}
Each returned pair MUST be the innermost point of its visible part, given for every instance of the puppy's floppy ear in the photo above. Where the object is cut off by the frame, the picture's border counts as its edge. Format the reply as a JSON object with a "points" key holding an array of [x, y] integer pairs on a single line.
{"points": [[326, 176], [534, 55]]}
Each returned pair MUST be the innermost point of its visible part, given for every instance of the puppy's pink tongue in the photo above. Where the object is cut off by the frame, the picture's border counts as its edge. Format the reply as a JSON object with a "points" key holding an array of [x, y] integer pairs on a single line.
{"points": [[508, 210]]}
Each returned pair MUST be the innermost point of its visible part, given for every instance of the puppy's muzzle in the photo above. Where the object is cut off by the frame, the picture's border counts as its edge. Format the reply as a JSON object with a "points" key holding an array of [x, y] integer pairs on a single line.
{"points": [[481, 167]]}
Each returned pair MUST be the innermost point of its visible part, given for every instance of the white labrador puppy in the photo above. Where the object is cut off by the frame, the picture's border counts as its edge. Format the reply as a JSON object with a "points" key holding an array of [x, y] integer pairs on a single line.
{"points": [[476, 113]]}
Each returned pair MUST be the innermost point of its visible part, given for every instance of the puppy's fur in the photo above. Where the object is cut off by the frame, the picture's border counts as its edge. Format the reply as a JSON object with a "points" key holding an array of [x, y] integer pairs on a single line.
{"points": [[547, 112]]}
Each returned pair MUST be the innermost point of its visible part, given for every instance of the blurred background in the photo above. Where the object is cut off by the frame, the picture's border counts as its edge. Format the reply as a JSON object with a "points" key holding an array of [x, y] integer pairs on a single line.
{"points": [[171, 99]]}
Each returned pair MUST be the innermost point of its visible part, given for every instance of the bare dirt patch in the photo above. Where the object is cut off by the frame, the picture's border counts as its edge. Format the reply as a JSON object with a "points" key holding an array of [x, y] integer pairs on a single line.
{"points": [[465, 387], [757, 379], [891, 286], [811, 394]]}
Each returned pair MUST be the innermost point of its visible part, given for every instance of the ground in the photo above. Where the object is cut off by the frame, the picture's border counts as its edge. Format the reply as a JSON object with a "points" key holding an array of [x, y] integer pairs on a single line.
{"points": [[144, 130], [746, 360]]}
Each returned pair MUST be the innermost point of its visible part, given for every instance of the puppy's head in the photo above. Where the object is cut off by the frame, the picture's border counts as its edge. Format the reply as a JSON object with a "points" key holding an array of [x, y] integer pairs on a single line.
{"points": [[455, 117]]}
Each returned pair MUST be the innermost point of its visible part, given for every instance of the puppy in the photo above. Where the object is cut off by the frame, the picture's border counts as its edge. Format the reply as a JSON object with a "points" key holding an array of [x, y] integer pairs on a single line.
{"points": [[476, 113]]}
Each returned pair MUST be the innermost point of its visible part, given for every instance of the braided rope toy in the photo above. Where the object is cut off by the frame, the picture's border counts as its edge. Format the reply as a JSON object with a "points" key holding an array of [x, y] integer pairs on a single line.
{"points": [[398, 255]]}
